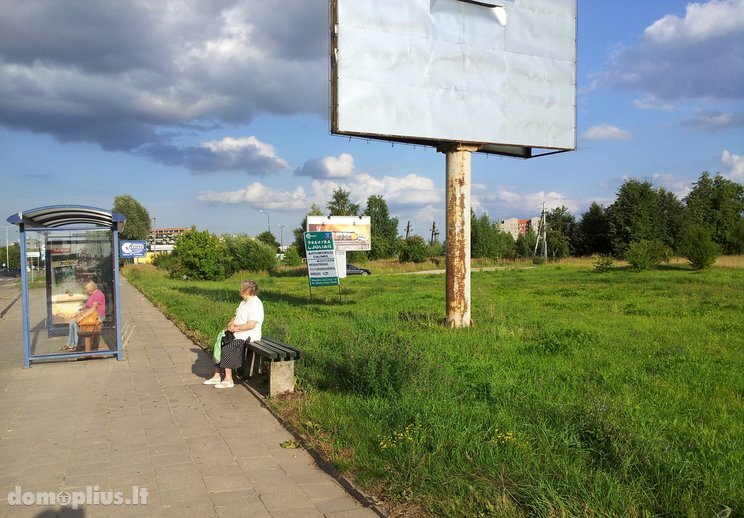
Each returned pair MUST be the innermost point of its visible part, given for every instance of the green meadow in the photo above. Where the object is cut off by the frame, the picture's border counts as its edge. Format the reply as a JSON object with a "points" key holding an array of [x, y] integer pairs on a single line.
{"points": [[575, 393]]}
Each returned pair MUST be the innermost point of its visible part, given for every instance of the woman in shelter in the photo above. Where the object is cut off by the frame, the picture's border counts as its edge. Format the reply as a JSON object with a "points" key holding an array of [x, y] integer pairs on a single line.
{"points": [[96, 301], [246, 325]]}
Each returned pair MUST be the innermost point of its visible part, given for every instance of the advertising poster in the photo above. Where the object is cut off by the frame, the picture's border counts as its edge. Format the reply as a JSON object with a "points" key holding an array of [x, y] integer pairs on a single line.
{"points": [[350, 233]]}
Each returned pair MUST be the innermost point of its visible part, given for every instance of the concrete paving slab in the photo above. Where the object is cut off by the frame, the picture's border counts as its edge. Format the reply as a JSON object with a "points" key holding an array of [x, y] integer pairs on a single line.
{"points": [[146, 422]]}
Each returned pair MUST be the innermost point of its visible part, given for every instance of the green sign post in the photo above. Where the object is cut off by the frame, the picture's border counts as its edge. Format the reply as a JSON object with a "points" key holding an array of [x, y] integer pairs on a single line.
{"points": [[321, 259]]}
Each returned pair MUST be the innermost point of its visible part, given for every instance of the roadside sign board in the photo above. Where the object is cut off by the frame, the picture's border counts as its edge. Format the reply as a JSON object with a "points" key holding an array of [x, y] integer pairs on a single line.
{"points": [[321, 259], [349, 232], [129, 249]]}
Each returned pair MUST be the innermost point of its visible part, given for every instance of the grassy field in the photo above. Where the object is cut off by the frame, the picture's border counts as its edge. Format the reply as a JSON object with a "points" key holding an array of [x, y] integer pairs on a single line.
{"points": [[575, 393]]}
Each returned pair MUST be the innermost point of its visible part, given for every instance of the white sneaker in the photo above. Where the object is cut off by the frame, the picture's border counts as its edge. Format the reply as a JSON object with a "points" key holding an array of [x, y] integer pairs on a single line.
{"points": [[224, 384], [212, 381]]}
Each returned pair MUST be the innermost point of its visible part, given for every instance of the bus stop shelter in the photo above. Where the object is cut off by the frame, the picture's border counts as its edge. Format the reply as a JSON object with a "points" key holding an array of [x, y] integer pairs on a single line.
{"points": [[68, 252]]}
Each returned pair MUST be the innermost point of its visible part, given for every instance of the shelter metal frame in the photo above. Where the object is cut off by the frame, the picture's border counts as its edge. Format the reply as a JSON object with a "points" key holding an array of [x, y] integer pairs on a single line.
{"points": [[57, 218]]}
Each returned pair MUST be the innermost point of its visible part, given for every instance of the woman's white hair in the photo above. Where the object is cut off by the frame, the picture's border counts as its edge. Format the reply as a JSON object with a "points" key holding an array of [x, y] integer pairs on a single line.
{"points": [[249, 286]]}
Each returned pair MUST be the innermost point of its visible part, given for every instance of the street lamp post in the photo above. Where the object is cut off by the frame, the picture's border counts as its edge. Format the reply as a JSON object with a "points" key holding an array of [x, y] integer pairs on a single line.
{"points": [[268, 218], [281, 237], [154, 235], [7, 255]]}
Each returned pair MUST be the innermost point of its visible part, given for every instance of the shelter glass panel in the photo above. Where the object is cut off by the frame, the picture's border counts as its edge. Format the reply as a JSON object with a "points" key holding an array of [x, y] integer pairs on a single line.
{"points": [[70, 273]]}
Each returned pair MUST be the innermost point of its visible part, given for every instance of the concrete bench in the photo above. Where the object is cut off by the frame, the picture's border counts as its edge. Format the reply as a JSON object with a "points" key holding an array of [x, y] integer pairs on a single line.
{"points": [[280, 359]]}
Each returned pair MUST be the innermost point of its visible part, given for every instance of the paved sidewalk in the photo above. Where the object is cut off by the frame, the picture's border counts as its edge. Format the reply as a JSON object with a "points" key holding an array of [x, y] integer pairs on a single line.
{"points": [[147, 422]]}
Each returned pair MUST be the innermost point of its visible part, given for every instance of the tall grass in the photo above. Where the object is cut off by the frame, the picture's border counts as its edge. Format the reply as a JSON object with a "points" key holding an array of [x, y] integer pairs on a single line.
{"points": [[575, 392]]}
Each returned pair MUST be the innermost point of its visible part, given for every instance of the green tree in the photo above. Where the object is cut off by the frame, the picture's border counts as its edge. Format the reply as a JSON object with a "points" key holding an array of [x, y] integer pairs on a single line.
{"points": [[718, 205], [413, 250], [487, 239], [674, 216], [384, 228], [200, 255], [250, 254], [299, 233], [13, 256], [291, 257], [138, 224], [525, 244], [561, 230], [635, 215], [737, 241], [593, 232], [269, 239], [340, 204]]}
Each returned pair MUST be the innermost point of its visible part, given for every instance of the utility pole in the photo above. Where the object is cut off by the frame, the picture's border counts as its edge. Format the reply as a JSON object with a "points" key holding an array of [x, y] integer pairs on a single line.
{"points": [[434, 233], [408, 229], [542, 235]]}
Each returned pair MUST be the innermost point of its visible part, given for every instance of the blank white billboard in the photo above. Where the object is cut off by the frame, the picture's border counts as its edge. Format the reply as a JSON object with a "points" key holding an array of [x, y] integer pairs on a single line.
{"points": [[502, 76]]}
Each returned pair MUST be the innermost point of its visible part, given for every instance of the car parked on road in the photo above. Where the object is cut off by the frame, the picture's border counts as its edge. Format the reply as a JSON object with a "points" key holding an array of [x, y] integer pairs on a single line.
{"points": [[355, 270]]}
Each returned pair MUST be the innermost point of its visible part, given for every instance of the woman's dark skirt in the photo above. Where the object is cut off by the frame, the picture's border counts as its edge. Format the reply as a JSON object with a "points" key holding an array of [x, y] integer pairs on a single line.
{"points": [[232, 354]]}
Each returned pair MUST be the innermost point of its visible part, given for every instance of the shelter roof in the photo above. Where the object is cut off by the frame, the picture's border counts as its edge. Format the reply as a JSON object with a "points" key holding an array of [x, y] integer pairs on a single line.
{"points": [[54, 216]]}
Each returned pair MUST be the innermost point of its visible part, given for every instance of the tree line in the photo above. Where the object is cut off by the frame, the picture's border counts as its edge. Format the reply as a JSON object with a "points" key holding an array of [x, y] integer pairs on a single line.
{"points": [[644, 223]]}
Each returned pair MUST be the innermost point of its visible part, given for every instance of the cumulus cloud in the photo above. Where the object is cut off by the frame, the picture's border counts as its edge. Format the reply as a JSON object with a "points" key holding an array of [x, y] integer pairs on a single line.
{"points": [[736, 163], [714, 120], [606, 132], [116, 73], [328, 167], [408, 193], [671, 183], [506, 203], [260, 196], [247, 155], [696, 56]]}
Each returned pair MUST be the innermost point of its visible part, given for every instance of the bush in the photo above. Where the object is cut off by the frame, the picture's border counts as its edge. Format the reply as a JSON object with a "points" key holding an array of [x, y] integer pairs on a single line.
{"points": [[292, 257], [199, 255], [644, 255], [413, 250], [603, 263], [163, 261], [698, 247], [250, 254]]}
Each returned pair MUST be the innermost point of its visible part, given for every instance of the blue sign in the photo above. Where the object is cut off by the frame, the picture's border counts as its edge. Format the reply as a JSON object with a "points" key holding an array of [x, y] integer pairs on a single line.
{"points": [[128, 249]]}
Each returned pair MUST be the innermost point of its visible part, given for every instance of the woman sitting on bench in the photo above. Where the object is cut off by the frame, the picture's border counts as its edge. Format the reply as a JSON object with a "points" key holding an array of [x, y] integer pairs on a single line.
{"points": [[246, 325], [96, 301]]}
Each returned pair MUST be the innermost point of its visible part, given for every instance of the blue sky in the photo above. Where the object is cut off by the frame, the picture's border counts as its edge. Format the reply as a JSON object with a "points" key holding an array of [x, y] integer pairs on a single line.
{"points": [[209, 111]]}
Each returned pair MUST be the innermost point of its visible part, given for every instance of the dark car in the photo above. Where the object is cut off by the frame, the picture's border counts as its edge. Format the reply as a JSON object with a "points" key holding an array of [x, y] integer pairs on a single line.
{"points": [[355, 270]]}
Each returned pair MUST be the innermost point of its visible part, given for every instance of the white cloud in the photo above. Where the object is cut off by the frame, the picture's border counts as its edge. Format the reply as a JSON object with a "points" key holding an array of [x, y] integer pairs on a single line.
{"points": [[328, 167], [702, 21], [650, 102], [505, 203], [711, 120], [668, 181], [260, 196], [247, 155], [695, 56], [606, 132], [407, 191], [736, 163]]}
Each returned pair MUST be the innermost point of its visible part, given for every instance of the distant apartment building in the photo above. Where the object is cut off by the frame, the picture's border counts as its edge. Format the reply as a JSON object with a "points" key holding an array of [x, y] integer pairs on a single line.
{"points": [[519, 227], [163, 239]]}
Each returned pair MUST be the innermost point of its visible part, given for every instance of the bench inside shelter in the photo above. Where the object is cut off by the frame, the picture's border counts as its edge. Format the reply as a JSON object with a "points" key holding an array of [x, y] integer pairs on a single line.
{"points": [[274, 357]]}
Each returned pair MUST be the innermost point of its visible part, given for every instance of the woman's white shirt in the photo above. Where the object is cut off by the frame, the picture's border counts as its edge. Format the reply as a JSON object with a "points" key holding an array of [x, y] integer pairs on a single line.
{"points": [[251, 309]]}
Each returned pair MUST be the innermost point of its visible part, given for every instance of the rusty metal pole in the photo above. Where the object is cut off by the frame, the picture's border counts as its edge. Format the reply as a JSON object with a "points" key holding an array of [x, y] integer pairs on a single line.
{"points": [[458, 233]]}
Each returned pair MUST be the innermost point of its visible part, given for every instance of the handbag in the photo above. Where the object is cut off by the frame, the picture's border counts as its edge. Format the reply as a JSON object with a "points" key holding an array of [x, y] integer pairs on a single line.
{"points": [[223, 338], [89, 324]]}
